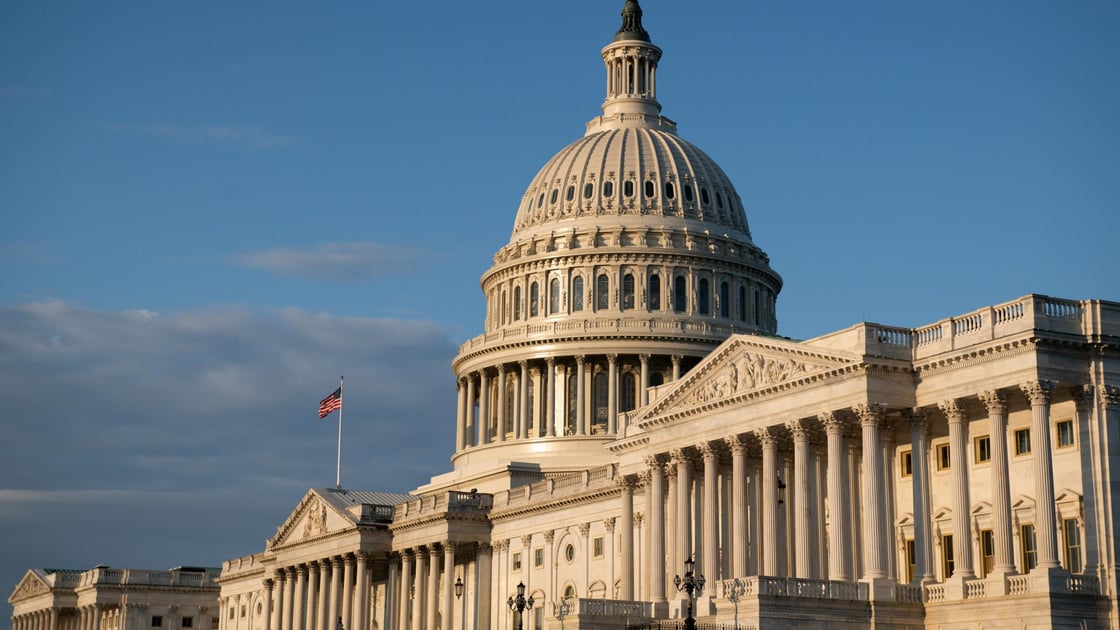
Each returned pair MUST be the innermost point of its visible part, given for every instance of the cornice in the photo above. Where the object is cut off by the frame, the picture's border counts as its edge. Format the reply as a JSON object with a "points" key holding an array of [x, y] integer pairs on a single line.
{"points": [[553, 503]]}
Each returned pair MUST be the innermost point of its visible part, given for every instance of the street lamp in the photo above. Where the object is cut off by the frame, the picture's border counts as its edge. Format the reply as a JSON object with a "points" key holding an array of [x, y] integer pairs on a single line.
{"points": [[781, 491], [459, 595], [520, 604], [692, 585]]}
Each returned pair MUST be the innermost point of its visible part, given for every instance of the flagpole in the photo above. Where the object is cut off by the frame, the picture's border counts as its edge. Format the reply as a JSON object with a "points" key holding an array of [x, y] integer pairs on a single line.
{"points": [[338, 464]]}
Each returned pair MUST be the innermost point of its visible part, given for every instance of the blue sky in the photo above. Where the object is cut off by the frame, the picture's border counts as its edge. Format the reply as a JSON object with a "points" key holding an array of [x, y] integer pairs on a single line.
{"points": [[211, 210]]}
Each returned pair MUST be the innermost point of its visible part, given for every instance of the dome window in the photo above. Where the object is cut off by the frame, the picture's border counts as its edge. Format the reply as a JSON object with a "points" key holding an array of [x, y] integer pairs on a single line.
{"points": [[572, 193], [628, 292], [628, 188], [534, 300], [577, 293], [719, 199], [540, 200], [655, 292], [680, 298], [588, 190], [650, 188], [555, 194], [704, 196], [602, 292], [608, 189], [724, 300], [688, 193], [742, 304], [516, 304], [670, 191], [554, 296], [704, 297]]}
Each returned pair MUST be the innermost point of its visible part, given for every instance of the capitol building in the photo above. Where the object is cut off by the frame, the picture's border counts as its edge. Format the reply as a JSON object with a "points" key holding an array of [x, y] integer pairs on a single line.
{"points": [[631, 412]]}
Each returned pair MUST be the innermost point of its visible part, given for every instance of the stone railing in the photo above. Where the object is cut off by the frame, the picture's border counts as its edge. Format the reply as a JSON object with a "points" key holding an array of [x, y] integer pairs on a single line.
{"points": [[935, 593], [144, 577], [1018, 585], [452, 501], [908, 593], [613, 608], [975, 589], [1033, 312], [575, 483], [1084, 584], [790, 587], [608, 326]]}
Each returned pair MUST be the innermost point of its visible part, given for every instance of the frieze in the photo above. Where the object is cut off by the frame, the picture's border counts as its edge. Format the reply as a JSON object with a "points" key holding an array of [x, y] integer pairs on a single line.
{"points": [[29, 587]]}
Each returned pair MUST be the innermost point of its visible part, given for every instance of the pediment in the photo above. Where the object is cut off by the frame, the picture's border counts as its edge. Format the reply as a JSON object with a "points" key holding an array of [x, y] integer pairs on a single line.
{"points": [[746, 366], [31, 585], [314, 517]]}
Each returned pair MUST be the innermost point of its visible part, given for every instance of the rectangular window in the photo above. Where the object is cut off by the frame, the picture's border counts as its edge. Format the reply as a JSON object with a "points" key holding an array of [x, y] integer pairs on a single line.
{"points": [[517, 562], [157, 621], [244, 610], [911, 560], [983, 447], [1022, 441], [1065, 433], [1030, 551], [538, 618], [538, 557], [597, 545], [213, 623], [987, 552], [1072, 535], [946, 556], [943, 457], [232, 612], [906, 462], [188, 622]]}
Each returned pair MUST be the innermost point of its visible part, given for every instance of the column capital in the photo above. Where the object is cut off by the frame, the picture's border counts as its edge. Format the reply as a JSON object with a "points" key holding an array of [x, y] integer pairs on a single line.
{"points": [[653, 461], [268, 584], [918, 418], [768, 436], [550, 362], [527, 541], [612, 359], [643, 359], [736, 443], [580, 359], [707, 451], [670, 472], [348, 559], [676, 359], [1082, 397], [833, 424], [953, 408], [608, 523], [549, 535], [484, 547], [679, 455], [1110, 396], [799, 429], [584, 529], [407, 553], [1038, 392], [644, 478], [501, 370], [448, 545], [638, 518], [868, 413], [626, 482], [995, 400]]}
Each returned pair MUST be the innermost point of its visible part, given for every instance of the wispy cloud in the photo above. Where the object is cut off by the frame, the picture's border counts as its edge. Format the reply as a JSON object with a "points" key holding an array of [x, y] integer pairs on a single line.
{"points": [[247, 136], [339, 261]]}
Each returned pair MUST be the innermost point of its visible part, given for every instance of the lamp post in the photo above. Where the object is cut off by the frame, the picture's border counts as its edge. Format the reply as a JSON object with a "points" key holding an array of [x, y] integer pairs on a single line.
{"points": [[459, 595], [692, 585], [519, 604]]}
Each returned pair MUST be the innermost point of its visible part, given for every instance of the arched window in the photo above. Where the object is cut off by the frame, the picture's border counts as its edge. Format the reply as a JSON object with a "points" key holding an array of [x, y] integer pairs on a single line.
{"points": [[600, 396], [588, 190], [687, 192], [554, 296], [569, 591], [602, 292], [757, 309], [680, 297], [534, 300], [704, 297], [670, 191], [655, 292], [555, 193], [650, 188], [703, 196], [510, 402], [742, 303], [505, 308], [517, 303], [719, 199], [724, 300], [540, 200], [628, 292], [608, 189], [532, 410], [570, 416], [628, 399], [568, 196], [577, 293], [628, 188]]}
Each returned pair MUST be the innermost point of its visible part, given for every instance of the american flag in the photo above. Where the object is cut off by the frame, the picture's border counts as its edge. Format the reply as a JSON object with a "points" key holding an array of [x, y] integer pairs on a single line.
{"points": [[330, 403]]}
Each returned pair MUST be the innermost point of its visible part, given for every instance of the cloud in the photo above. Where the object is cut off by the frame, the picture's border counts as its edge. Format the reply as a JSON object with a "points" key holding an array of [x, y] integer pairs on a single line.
{"points": [[191, 434], [248, 136], [338, 261]]}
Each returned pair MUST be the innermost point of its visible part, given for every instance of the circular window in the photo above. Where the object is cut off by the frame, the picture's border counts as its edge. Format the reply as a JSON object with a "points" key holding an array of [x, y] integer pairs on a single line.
{"points": [[570, 553]]}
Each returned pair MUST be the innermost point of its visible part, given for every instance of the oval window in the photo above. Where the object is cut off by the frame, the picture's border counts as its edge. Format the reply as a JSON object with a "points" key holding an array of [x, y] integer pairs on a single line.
{"points": [[704, 196], [719, 200], [571, 193], [554, 195], [588, 190], [540, 200], [628, 189], [608, 189], [570, 553], [688, 192], [670, 191], [649, 188]]}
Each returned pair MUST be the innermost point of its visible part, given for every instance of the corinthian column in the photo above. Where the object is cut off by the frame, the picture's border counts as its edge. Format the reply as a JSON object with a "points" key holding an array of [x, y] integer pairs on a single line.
{"points": [[471, 426], [612, 394], [431, 595], [268, 623], [312, 588], [336, 591], [802, 498], [448, 584], [643, 393], [996, 402], [710, 564], [460, 415], [523, 408], [418, 591], [958, 469], [839, 510], [502, 403], [403, 607], [1038, 392], [483, 407], [325, 622], [289, 584], [740, 531], [581, 420], [770, 543], [684, 502], [550, 397], [626, 576], [874, 531], [348, 591], [361, 596], [919, 464], [655, 507]]}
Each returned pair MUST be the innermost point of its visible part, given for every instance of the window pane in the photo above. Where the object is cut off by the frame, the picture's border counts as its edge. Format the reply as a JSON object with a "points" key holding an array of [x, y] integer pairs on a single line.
{"points": [[627, 292], [680, 300], [704, 297], [1030, 553], [554, 296], [517, 303], [1065, 433], [602, 295], [724, 300], [577, 294], [655, 293], [534, 300]]}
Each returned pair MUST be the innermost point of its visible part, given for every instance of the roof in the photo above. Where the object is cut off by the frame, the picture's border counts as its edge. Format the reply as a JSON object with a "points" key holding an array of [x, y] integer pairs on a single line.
{"points": [[343, 498]]}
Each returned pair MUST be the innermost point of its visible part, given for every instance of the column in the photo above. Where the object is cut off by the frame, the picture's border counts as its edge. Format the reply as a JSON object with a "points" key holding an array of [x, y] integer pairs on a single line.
{"points": [[361, 597], [483, 407], [770, 541], [550, 397], [336, 589], [655, 508], [671, 520], [392, 587], [403, 607], [502, 402], [461, 415], [958, 475], [431, 594], [418, 594], [53, 624], [919, 464], [449, 582], [523, 414], [683, 465], [1038, 392], [676, 358], [96, 617], [288, 582], [581, 425], [996, 403], [874, 529], [710, 561], [643, 393], [802, 498], [268, 622], [626, 573], [612, 394], [300, 595], [348, 592], [324, 621], [740, 536], [472, 425], [312, 590], [485, 580]]}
